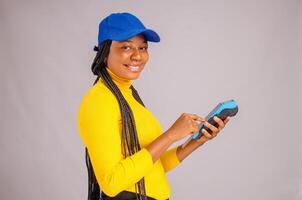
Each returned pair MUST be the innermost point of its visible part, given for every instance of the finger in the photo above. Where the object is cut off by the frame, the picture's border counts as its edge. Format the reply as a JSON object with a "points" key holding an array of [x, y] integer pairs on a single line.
{"points": [[193, 116], [200, 119], [211, 127], [226, 120], [197, 122], [220, 122], [213, 134], [206, 134]]}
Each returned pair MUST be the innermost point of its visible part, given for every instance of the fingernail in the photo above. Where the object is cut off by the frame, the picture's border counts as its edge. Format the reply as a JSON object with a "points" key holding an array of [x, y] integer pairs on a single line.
{"points": [[201, 119]]}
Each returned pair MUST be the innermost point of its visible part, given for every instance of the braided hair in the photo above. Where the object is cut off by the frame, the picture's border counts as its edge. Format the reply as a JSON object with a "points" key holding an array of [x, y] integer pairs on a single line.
{"points": [[130, 143]]}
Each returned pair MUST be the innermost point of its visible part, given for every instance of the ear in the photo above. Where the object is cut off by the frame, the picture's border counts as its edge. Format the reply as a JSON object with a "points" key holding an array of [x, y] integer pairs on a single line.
{"points": [[105, 60]]}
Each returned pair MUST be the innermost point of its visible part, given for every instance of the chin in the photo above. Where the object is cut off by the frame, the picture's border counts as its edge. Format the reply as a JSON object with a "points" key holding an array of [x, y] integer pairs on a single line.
{"points": [[133, 76]]}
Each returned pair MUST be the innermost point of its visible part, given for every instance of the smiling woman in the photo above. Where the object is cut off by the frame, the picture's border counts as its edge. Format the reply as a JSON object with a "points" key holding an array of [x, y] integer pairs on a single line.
{"points": [[127, 152], [127, 59]]}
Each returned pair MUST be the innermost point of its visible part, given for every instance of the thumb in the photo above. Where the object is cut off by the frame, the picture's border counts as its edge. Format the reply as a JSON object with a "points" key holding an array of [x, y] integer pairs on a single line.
{"points": [[200, 119]]}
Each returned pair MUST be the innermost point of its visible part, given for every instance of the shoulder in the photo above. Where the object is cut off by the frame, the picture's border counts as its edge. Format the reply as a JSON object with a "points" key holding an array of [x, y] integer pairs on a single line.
{"points": [[99, 98], [99, 92]]}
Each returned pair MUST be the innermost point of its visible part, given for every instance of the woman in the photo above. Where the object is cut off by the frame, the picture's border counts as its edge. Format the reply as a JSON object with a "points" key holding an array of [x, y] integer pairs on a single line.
{"points": [[126, 150]]}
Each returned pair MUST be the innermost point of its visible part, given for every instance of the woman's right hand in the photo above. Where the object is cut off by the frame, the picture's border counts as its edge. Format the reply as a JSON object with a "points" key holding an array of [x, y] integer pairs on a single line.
{"points": [[186, 124]]}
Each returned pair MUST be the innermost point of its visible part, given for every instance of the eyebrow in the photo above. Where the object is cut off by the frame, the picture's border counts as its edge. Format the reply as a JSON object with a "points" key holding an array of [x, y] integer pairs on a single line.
{"points": [[145, 41]]}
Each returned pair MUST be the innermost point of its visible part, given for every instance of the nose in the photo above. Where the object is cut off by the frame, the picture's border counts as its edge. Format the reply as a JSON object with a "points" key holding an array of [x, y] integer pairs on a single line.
{"points": [[136, 55]]}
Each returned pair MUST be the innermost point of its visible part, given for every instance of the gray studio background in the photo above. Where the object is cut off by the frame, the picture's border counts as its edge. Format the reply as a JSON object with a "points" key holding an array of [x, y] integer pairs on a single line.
{"points": [[211, 51]]}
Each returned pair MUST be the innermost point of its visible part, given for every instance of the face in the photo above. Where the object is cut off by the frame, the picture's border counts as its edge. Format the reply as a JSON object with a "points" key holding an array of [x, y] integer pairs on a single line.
{"points": [[127, 59]]}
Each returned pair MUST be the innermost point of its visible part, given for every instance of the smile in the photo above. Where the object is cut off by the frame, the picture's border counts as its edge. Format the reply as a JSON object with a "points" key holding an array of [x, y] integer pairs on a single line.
{"points": [[133, 68]]}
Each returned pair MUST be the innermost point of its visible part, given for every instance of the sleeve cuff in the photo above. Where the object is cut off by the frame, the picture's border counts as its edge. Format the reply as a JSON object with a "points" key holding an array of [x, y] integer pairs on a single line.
{"points": [[170, 159]]}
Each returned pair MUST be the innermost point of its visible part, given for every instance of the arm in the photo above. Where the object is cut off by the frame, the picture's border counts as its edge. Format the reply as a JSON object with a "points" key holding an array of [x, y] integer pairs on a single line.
{"points": [[169, 159], [158, 149], [183, 126], [100, 131], [183, 152]]}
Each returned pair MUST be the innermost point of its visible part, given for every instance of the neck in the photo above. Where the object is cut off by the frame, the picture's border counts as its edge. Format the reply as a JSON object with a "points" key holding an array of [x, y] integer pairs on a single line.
{"points": [[121, 83]]}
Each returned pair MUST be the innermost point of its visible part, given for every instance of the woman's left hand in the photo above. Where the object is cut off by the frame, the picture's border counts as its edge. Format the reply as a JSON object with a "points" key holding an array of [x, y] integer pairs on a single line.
{"points": [[215, 130]]}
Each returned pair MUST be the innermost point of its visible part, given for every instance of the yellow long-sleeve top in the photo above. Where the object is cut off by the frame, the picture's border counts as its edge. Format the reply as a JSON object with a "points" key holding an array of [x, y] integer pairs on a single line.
{"points": [[99, 122]]}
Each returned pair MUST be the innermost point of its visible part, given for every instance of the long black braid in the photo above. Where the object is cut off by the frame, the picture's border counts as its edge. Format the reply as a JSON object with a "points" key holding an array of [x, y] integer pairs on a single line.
{"points": [[130, 143]]}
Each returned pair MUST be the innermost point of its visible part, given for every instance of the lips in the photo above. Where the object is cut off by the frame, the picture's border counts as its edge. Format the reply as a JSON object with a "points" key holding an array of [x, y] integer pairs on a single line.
{"points": [[133, 68]]}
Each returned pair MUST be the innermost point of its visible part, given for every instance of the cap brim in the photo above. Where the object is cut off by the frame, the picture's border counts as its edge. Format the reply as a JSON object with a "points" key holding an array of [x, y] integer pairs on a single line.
{"points": [[149, 35]]}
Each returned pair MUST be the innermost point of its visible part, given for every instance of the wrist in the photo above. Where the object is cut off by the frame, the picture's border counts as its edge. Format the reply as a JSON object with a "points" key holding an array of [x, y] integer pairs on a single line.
{"points": [[170, 136]]}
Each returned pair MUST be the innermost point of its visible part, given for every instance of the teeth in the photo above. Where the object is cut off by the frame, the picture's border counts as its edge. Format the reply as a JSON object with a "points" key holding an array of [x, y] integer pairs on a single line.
{"points": [[133, 68]]}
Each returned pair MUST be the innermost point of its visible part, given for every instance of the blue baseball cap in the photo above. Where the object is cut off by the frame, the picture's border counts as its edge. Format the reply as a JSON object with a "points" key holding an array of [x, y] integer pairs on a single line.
{"points": [[123, 26]]}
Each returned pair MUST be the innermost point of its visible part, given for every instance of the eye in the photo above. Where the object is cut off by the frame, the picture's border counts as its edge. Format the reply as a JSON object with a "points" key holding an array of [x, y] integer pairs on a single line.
{"points": [[145, 48], [126, 47]]}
